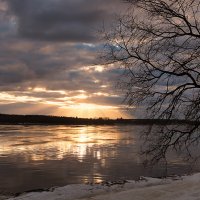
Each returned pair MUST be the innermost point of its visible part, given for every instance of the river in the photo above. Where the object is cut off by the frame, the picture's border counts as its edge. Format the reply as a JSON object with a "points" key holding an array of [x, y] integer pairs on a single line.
{"points": [[34, 157]]}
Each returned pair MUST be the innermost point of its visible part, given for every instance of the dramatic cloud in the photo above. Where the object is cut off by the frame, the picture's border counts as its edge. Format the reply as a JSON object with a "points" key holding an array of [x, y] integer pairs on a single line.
{"points": [[47, 55]]}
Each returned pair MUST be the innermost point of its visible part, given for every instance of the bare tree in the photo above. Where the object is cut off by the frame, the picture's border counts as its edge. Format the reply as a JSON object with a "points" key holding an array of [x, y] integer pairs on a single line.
{"points": [[157, 43]]}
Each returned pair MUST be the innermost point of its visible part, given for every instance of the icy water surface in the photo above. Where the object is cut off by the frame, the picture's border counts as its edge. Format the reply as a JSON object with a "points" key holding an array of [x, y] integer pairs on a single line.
{"points": [[34, 157]]}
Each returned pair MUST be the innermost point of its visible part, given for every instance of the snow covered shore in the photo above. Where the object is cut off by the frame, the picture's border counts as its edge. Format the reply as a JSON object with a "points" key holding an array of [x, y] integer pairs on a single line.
{"points": [[178, 188]]}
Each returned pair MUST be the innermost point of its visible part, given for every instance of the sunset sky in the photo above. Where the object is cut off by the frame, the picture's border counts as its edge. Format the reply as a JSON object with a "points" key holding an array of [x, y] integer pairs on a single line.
{"points": [[47, 55]]}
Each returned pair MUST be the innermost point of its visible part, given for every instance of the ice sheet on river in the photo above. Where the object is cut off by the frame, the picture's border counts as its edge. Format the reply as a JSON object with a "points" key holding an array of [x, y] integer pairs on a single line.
{"points": [[178, 188]]}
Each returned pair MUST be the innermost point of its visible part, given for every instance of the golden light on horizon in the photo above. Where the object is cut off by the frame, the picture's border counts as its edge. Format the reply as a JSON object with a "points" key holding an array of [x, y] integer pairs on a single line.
{"points": [[39, 100], [87, 110]]}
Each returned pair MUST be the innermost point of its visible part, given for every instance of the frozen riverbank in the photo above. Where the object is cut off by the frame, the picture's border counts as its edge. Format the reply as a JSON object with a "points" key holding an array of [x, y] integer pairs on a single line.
{"points": [[178, 188]]}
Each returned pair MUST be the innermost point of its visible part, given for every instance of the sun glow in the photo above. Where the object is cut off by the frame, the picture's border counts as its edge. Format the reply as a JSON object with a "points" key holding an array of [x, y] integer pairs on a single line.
{"points": [[88, 106], [99, 68], [95, 68], [80, 96], [39, 100], [86, 110]]}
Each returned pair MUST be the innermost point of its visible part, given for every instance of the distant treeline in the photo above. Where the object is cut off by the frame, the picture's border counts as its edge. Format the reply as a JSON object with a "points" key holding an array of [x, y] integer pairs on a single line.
{"points": [[56, 120]]}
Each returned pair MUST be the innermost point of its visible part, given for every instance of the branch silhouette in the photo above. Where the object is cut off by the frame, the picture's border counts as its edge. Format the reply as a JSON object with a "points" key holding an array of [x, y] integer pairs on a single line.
{"points": [[157, 44]]}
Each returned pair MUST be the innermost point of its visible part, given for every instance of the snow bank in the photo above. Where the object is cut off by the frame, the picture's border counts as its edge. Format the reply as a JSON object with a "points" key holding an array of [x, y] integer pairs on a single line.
{"points": [[178, 188]]}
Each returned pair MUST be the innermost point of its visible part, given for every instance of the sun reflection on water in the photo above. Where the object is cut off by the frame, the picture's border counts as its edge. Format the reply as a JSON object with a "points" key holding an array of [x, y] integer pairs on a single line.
{"points": [[56, 143], [44, 156], [86, 148]]}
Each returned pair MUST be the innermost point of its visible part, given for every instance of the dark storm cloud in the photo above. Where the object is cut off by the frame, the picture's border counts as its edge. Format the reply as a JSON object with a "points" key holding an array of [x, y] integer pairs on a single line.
{"points": [[61, 20]]}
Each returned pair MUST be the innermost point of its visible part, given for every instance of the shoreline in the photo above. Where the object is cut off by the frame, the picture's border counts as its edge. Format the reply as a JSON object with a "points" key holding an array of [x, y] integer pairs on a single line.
{"points": [[179, 187], [12, 119]]}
